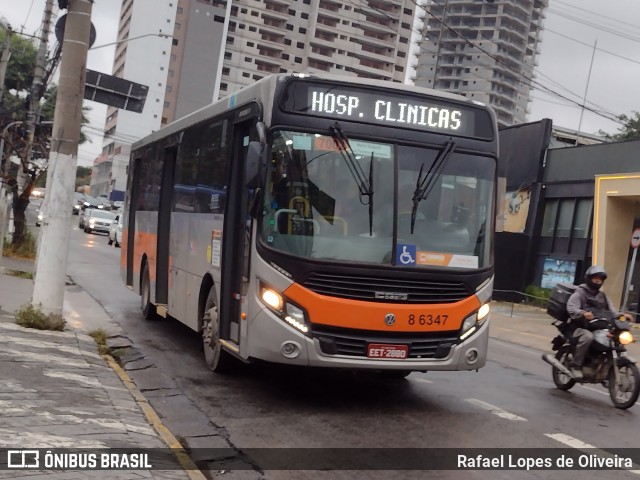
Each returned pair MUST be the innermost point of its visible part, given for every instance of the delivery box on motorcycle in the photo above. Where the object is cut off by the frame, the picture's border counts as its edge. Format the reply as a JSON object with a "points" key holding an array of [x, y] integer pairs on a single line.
{"points": [[557, 303]]}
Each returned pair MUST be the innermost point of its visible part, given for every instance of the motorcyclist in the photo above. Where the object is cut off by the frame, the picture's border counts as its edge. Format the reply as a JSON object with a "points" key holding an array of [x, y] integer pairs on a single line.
{"points": [[581, 306]]}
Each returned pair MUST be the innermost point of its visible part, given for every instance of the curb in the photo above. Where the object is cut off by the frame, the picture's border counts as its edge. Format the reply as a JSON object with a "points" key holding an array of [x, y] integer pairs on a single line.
{"points": [[172, 442]]}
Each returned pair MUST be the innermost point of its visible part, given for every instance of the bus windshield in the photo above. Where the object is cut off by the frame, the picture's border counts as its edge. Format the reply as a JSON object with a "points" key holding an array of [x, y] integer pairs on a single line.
{"points": [[318, 206]]}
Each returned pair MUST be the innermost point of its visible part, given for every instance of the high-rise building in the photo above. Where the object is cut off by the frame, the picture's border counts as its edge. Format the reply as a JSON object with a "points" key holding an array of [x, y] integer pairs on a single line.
{"points": [[173, 47], [364, 38], [485, 50], [216, 47]]}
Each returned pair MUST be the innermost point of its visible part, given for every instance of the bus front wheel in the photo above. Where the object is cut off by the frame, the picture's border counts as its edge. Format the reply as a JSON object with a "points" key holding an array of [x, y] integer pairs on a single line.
{"points": [[216, 358]]}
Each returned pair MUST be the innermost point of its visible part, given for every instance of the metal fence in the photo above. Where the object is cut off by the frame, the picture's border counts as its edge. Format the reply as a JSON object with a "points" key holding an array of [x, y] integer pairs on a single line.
{"points": [[520, 301]]}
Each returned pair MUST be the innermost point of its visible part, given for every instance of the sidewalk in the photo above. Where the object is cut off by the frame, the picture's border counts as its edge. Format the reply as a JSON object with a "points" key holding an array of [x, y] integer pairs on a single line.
{"points": [[57, 392], [532, 327]]}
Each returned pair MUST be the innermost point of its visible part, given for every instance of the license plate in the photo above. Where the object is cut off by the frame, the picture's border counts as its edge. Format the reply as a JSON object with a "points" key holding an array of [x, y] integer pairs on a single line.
{"points": [[380, 350]]}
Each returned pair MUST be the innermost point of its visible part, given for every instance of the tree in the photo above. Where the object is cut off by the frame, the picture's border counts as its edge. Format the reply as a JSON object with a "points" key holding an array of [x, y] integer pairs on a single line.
{"points": [[83, 176], [630, 129], [21, 64], [25, 168]]}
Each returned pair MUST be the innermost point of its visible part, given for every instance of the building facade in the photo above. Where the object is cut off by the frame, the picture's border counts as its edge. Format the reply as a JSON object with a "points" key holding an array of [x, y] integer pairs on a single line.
{"points": [[173, 47], [484, 50], [216, 47], [566, 208], [369, 39]]}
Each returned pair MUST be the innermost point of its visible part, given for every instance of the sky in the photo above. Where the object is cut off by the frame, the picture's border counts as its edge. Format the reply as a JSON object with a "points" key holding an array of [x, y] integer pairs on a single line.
{"points": [[569, 68]]}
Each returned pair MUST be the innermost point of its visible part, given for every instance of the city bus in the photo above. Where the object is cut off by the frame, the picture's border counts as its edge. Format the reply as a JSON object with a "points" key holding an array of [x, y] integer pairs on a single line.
{"points": [[320, 221]]}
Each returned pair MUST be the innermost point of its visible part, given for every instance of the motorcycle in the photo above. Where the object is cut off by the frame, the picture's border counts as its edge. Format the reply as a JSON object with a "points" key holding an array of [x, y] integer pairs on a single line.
{"points": [[606, 362]]}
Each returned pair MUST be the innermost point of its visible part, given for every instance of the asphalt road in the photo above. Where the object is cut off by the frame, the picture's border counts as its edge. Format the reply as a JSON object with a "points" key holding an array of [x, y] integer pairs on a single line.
{"points": [[511, 403]]}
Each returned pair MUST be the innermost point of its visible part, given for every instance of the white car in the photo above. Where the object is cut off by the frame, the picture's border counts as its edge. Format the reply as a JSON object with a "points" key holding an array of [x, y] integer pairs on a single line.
{"points": [[40, 217], [95, 220], [115, 231]]}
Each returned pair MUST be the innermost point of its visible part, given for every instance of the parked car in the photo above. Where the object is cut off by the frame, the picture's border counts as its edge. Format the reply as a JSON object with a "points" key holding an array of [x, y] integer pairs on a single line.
{"points": [[77, 207], [96, 220], [115, 230], [39, 217], [83, 214]]}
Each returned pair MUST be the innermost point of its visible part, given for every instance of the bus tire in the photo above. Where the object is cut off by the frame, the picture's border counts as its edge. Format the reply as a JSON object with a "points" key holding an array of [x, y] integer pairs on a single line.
{"points": [[148, 308], [216, 358]]}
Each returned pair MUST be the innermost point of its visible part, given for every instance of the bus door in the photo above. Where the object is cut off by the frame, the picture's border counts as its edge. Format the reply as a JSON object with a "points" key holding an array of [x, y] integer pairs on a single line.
{"points": [[236, 237], [131, 221], [164, 225]]}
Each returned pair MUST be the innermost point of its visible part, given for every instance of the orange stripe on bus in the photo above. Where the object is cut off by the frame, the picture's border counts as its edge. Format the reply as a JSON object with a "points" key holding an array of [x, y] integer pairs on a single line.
{"points": [[358, 314], [144, 243]]}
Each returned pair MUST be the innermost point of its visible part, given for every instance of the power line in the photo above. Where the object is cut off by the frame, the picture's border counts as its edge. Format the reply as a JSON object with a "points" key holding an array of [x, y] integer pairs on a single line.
{"points": [[599, 15], [569, 105], [28, 14], [596, 26], [591, 46], [532, 82]]}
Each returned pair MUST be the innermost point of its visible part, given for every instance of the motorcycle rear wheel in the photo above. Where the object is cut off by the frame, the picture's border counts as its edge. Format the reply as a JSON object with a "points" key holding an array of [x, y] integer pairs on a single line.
{"points": [[562, 381], [624, 393]]}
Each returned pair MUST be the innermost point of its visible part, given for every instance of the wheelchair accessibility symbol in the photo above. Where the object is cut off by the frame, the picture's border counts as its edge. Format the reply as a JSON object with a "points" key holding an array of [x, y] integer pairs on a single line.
{"points": [[405, 254]]}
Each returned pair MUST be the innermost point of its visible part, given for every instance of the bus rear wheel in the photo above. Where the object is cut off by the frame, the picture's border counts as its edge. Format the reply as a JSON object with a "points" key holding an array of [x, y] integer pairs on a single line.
{"points": [[216, 358], [148, 308]]}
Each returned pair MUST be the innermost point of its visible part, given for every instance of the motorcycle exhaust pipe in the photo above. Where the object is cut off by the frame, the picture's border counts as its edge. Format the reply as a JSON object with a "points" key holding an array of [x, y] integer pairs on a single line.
{"points": [[554, 362]]}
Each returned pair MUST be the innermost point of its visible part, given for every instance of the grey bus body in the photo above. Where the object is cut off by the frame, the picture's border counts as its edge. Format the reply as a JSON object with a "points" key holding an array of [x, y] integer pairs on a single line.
{"points": [[200, 244]]}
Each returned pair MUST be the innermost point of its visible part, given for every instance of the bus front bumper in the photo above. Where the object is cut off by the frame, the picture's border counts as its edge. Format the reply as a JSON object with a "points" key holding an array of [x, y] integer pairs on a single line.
{"points": [[280, 343]]}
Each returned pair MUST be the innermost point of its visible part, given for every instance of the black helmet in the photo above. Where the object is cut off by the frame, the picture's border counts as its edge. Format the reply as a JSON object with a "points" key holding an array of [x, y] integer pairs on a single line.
{"points": [[594, 271]]}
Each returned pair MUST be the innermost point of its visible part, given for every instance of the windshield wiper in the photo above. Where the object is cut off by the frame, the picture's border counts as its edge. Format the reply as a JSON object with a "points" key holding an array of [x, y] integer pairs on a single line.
{"points": [[371, 196], [350, 159], [365, 186], [425, 183]]}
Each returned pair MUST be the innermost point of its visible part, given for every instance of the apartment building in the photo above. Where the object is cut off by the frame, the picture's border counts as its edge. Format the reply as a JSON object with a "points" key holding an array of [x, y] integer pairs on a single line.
{"points": [[173, 47], [216, 47], [364, 38], [484, 50]]}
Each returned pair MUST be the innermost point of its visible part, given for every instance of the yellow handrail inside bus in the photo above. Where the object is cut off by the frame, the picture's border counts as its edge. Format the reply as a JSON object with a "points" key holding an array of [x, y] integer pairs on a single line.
{"points": [[293, 201]]}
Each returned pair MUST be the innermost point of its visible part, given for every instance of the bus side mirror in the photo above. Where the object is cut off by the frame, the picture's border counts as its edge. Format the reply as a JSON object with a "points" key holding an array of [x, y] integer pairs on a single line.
{"points": [[252, 167]]}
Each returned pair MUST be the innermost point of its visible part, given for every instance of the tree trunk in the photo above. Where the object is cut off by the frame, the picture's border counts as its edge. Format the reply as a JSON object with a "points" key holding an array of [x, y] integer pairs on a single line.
{"points": [[20, 203]]}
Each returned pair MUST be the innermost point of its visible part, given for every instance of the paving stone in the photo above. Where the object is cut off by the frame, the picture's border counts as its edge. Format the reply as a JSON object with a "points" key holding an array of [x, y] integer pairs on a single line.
{"points": [[141, 364], [151, 379], [119, 342]]}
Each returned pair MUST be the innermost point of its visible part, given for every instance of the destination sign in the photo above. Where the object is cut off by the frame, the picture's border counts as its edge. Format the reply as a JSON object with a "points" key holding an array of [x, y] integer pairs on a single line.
{"points": [[387, 107]]}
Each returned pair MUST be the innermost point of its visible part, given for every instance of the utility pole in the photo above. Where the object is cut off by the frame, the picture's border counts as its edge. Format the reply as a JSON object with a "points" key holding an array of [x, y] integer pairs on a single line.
{"points": [[51, 263], [4, 205], [586, 90], [37, 89], [4, 62]]}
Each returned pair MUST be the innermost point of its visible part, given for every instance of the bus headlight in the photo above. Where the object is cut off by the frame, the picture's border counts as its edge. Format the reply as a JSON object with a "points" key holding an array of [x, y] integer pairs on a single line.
{"points": [[483, 311], [271, 298], [290, 313], [472, 322], [469, 326], [294, 316], [625, 338]]}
